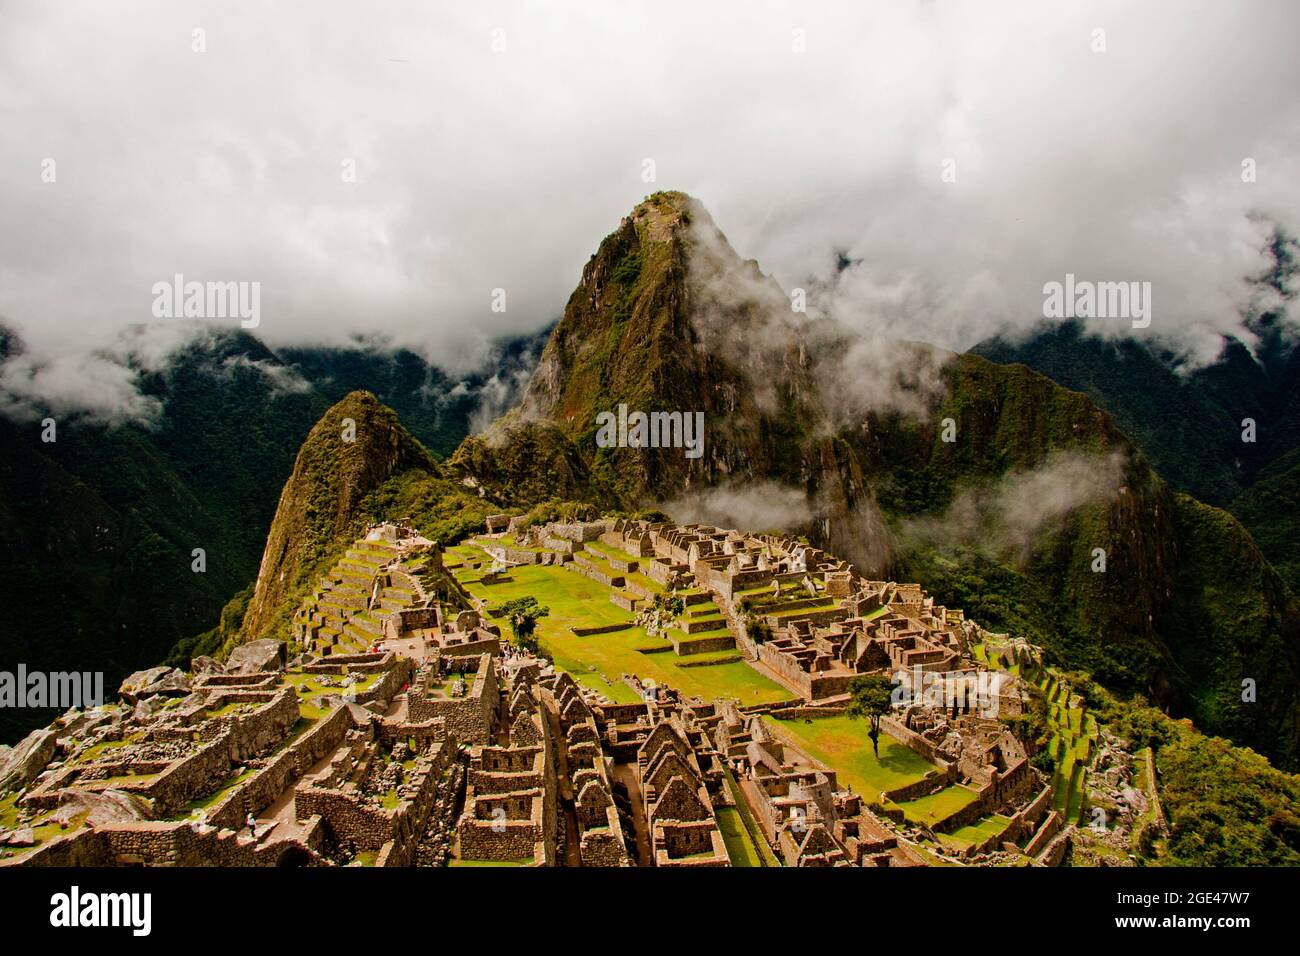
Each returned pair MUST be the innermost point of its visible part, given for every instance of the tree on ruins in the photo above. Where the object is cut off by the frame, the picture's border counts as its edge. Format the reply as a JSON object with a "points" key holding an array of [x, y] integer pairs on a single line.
{"points": [[871, 697], [523, 614]]}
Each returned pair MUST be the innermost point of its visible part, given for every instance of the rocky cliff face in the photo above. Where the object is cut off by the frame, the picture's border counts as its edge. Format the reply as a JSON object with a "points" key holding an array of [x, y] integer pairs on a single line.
{"points": [[356, 447]]}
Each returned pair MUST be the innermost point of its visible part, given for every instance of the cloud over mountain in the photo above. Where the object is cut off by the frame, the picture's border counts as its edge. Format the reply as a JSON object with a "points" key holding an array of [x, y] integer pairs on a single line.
{"points": [[493, 145]]}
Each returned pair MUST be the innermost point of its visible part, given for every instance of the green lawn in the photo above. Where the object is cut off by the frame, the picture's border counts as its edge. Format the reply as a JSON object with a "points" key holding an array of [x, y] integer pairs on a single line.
{"points": [[578, 601], [740, 848], [310, 691], [614, 688], [938, 806], [843, 744], [978, 832], [752, 830]]}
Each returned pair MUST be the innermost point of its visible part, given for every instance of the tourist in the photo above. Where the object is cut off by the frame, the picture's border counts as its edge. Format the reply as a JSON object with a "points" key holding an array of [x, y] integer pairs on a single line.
{"points": [[252, 826]]}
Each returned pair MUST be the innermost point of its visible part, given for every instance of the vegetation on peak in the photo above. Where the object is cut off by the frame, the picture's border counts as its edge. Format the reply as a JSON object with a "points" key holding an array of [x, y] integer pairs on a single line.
{"points": [[354, 449]]}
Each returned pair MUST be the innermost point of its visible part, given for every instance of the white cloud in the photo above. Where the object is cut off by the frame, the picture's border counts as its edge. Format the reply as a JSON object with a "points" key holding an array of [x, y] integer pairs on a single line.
{"points": [[763, 506], [478, 170]]}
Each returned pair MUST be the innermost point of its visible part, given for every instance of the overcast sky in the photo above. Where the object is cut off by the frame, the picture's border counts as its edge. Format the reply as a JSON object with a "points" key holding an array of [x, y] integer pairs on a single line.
{"points": [[480, 168]]}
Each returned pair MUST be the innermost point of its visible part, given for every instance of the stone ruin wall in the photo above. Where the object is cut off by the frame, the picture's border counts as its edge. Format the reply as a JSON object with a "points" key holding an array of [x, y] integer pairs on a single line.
{"points": [[581, 532], [932, 782], [705, 645], [175, 844], [513, 840], [355, 663], [202, 772], [468, 718], [275, 778], [391, 731], [600, 847], [351, 819], [470, 649], [913, 741], [255, 733], [368, 828], [412, 814], [384, 689], [787, 668]]}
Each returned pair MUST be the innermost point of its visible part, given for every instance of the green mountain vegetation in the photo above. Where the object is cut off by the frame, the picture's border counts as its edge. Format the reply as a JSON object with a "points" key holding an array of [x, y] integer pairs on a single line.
{"points": [[1189, 423], [1225, 805], [351, 451]]}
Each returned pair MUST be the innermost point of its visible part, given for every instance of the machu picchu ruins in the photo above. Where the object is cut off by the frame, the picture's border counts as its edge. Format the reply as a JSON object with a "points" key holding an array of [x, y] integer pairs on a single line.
{"points": [[604, 446], [687, 707]]}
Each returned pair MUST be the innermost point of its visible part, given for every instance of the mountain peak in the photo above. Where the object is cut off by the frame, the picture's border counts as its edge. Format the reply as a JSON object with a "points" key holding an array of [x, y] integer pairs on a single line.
{"points": [[636, 329], [357, 445], [664, 214]]}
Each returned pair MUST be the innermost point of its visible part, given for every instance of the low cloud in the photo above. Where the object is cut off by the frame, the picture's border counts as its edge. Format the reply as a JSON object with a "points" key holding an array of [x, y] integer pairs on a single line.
{"points": [[282, 379], [765, 506], [503, 389], [89, 386], [96, 379], [1006, 519], [743, 316]]}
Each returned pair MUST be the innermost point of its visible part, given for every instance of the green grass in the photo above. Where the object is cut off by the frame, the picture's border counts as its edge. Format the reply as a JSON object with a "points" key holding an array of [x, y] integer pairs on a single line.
{"points": [[756, 839], [1074, 733], [44, 826], [843, 744], [609, 551], [9, 811], [99, 750], [740, 847], [310, 691], [614, 689], [708, 656], [938, 806], [578, 601], [976, 833]]}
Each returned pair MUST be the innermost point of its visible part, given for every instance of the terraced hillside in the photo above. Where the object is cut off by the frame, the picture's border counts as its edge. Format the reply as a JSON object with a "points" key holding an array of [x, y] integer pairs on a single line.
{"points": [[347, 612]]}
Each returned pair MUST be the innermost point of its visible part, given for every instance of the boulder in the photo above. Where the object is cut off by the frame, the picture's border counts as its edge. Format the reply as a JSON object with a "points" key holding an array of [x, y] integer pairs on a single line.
{"points": [[203, 665], [79, 723], [173, 684], [21, 765], [24, 836], [103, 807], [193, 702], [257, 657], [130, 688]]}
